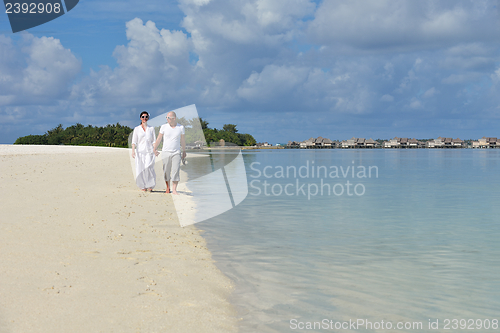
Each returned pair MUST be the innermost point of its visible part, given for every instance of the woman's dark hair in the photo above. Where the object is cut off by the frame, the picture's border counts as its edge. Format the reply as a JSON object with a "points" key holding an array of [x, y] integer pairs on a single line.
{"points": [[143, 112]]}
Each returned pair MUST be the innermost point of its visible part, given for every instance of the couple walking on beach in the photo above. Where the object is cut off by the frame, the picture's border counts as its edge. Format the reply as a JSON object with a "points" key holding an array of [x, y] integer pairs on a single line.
{"points": [[143, 140]]}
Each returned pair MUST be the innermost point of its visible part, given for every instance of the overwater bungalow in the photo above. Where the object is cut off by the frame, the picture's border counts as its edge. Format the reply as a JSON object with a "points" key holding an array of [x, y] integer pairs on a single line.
{"points": [[392, 143], [359, 143], [309, 143], [325, 143], [370, 143], [486, 142], [445, 143], [403, 143], [351, 143], [414, 143], [318, 143], [457, 143]]}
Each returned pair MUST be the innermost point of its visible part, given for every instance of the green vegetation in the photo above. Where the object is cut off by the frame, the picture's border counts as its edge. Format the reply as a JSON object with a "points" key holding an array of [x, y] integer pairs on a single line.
{"points": [[118, 136], [196, 128], [79, 135], [229, 133]]}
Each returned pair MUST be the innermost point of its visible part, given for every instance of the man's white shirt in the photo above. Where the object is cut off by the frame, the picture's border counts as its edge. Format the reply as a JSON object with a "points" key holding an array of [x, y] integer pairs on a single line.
{"points": [[172, 137]]}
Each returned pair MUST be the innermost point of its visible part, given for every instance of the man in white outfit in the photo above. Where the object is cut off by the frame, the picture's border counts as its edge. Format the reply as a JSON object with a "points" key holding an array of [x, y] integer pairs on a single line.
{"points": [[171, 155]]}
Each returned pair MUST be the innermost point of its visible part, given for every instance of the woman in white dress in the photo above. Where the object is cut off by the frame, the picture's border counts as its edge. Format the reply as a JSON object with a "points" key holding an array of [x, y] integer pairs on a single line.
{"points": [[143, 140]]}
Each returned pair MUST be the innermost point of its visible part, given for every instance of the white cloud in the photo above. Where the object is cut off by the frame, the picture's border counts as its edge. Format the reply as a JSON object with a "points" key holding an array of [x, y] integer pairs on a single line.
{"points": [[278, 14], [387, 98], [151, 66], [470, 49], [415, 104], [461, 78], [389, 71], [496, 76], [268, 22], [229, 42], [302, 88], [272, 83], [197, 3], [403, 25], [430, 93], [407, 80], [39, 71], [478, 57], [50, 67]]}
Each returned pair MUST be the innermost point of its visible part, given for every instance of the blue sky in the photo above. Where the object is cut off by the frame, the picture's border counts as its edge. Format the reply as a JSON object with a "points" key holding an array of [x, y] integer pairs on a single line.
{"points": [[279, 69]]}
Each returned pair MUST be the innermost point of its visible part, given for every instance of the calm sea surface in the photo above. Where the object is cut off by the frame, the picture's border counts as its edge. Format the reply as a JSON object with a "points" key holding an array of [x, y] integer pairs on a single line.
{"points": [[409, 236]]}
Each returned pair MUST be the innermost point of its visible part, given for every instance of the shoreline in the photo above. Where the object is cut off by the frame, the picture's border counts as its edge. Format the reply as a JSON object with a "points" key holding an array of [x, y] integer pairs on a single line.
{"points": [[84, 250]]}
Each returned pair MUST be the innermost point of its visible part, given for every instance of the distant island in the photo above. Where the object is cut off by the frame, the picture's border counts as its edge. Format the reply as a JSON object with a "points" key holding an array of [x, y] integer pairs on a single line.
{"points": [[79, 135], [118, 135]]}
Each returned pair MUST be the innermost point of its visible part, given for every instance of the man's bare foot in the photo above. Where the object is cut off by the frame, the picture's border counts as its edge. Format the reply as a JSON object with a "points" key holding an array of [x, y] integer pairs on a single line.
{"points": [[174, 187], [143, 190], [150, 189]]}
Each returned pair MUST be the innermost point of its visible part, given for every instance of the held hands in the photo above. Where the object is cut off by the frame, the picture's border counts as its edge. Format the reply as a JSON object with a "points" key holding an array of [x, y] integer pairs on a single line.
{"points": [[183, 154], [156, 153]]}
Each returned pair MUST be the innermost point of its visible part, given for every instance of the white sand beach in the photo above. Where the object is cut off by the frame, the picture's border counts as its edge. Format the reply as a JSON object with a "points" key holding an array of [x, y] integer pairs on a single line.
{"points": [[84, 250]]}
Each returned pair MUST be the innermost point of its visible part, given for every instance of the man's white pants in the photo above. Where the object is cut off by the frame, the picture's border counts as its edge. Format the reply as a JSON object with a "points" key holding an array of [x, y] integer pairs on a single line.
{"points": [[171, 165]]}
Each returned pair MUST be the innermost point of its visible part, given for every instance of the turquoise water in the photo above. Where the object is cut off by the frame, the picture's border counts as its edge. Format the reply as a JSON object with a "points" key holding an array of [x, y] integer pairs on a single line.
{"points": [[418, 241]]}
